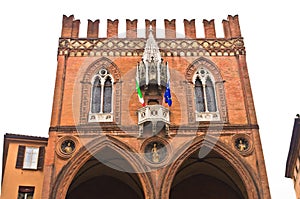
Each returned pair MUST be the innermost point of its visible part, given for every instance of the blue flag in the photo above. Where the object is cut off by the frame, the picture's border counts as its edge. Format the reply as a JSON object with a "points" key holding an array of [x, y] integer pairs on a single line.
{"points": [[167, 95]]}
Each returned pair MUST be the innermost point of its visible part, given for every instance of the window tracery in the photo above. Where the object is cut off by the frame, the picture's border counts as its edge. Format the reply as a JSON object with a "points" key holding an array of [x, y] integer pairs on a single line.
{"points": [[205, 96], [101, 99]]}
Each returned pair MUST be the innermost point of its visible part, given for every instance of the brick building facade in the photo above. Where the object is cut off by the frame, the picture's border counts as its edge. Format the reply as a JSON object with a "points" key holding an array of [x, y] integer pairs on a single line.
{"points": [[104, 142]]}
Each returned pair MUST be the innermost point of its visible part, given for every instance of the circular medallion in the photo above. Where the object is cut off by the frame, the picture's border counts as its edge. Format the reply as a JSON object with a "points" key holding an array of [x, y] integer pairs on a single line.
{"points": [[67, 146], [243, 143], [155, 152]]}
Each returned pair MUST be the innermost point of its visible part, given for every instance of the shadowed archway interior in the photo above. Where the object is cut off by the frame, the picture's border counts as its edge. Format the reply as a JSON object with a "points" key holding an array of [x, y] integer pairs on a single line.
{"points": [[211, 178], [96, 179]]}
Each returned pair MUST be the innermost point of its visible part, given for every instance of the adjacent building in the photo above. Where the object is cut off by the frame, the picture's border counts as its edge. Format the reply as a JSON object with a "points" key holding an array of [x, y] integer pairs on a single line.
{"points": [[22, 166], [147, 117], [293, 162]]}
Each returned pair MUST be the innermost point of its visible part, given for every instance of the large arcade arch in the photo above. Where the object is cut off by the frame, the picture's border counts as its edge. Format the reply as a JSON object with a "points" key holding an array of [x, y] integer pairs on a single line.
{"points": [[87, 176], [220, 174], [97, 180]]}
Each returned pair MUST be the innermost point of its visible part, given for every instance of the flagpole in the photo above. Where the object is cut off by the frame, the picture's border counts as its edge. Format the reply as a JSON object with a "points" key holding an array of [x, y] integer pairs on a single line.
{"points": [[168, 72], [167, 95], [137, 85]]}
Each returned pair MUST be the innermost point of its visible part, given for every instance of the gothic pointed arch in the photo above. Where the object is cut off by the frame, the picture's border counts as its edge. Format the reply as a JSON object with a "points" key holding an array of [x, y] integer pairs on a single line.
{"points": [[73, 169], [96, 96], [210, 95], [205, 92], [101, 92], [199, 95], [244, 178], [107, 92]]}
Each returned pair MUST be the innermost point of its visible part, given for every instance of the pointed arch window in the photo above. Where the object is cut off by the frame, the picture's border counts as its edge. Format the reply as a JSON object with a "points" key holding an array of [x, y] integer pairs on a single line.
{"points": [[205, 96], [96, 96], [101, 97], [107, 95], [199, 95], [210, 96]]}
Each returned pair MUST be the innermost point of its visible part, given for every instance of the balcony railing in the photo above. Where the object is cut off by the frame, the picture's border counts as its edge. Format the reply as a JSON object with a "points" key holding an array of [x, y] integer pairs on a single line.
{"points": [[153, 113]]}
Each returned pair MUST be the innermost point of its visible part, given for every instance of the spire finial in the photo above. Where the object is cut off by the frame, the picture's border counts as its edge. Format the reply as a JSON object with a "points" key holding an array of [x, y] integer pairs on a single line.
{"points": [[150, 29], [151, 51]]}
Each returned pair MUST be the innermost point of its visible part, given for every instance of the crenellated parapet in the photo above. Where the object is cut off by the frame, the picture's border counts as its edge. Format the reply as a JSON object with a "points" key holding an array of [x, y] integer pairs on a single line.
{"points": [[70, 28], [209, 29], [231, 27], [93, 29], [132, 45], [189, 28], [170, 29], [131, 28]]}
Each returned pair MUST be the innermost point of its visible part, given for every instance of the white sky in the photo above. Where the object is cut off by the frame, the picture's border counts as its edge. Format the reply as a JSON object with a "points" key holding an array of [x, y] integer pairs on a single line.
{"points": [[29, 39]]}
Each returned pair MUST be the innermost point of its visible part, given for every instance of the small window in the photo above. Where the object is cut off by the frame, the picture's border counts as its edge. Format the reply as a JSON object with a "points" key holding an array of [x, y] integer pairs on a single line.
{"points": [[30, 157], [25, 192]]}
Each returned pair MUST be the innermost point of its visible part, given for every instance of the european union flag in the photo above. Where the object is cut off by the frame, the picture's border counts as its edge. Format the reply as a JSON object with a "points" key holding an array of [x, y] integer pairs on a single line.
{"points": [[167, 95]]}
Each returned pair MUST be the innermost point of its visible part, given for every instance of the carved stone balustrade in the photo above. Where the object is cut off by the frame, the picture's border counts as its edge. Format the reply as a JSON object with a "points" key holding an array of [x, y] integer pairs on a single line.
{"points": [[153, 113]]}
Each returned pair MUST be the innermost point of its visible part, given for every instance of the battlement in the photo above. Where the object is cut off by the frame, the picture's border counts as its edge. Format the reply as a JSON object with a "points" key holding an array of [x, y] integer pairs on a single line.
{"points": [[231, 28], [132, 44]]}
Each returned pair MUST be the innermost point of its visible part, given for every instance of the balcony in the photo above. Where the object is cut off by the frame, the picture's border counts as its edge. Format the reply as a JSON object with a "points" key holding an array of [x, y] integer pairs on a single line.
{"points": [[157, 116], [153, 113]]}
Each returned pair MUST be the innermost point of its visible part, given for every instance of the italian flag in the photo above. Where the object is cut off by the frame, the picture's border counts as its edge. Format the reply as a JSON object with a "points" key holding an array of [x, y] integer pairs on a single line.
{"points": [[140, 95]]}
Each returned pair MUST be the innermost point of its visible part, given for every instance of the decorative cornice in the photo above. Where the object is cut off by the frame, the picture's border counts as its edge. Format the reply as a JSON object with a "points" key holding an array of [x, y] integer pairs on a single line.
{"points": [[135, 47], [119, 130]]}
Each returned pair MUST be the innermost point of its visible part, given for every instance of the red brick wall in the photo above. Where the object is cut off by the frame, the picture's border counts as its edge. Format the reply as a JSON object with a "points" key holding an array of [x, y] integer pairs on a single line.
{"points": [[229, 67]]}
